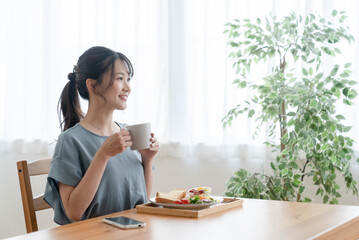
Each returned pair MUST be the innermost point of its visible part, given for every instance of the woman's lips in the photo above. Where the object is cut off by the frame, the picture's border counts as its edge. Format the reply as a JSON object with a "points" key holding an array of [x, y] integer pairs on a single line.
{"points": [[123, 97]]}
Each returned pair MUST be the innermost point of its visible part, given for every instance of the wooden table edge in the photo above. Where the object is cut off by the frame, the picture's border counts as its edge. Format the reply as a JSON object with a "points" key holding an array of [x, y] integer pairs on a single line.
{"points": [[345, 230]]}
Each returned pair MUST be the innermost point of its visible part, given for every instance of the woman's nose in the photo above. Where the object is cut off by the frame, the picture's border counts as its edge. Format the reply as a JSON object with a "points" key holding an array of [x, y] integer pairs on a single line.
{"points": [[127, 86]]}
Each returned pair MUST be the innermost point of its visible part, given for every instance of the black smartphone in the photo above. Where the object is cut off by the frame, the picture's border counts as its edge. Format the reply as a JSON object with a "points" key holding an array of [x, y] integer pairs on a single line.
{"points": [[124, 222]]}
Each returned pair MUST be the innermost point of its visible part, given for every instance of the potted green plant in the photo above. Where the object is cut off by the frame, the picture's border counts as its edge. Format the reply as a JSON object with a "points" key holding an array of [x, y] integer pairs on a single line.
{"points": [[298, 106]]}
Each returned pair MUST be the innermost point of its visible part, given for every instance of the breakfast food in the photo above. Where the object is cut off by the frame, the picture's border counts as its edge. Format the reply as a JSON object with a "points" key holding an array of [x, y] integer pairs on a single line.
{"points": [[198, 195], [171, 197], [201, 195], [205, 191], [200, 199]]}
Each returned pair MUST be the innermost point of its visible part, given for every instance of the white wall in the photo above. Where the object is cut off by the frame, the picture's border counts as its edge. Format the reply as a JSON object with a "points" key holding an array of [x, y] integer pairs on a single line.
{"points": [[170, 173]]}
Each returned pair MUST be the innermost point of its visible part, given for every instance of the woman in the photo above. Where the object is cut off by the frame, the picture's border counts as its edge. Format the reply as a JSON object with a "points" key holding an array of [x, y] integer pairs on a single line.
{"points": [[93, 171]]}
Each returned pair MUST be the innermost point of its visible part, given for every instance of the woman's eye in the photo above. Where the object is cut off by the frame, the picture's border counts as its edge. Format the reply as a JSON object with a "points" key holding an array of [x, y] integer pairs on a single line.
{"points": [[128, 79], [120, 78]]}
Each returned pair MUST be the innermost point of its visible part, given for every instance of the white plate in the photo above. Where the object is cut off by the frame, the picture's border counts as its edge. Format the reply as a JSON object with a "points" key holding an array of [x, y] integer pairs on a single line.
{"points": [[187, 206]]}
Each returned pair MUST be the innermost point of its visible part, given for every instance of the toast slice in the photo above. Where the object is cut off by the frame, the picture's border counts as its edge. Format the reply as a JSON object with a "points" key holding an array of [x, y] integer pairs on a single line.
{"points": [[170, 197]]}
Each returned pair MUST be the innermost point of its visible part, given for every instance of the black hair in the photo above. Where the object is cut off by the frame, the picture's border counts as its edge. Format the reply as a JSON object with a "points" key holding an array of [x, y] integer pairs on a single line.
{"points": [[93, 63]]}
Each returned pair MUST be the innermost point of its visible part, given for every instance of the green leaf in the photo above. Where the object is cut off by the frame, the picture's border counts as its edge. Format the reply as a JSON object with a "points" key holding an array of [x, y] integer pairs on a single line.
{"points": [[282, 166], [320, 85], [294, 165], [285, 136], [352, 94], [291, 122], [242, 84], [268, 27], [327, 51], [347, 102], [251, 113], [334, 13], [234, 44], [305, 72], [336, 92], [318, 191], [334, 159], [344, 75], [312, 60], [284, 152], [347, 65], [297, 182], [333, 128], [272, 166], [337, 50], [319, 76], [324, 147], [334, 70], [284, 172], [339, 85], [324, 134], [325, 199], [290, 173], [340, 117], [347, 129], [313, 103]]}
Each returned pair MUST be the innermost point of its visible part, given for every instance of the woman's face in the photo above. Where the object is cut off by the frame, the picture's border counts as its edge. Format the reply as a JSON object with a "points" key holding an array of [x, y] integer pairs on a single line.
{"points": [[117, 94]]}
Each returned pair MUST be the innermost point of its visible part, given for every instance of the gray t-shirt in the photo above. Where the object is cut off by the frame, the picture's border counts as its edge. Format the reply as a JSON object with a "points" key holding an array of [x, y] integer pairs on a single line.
{"points": [[122, 185]]}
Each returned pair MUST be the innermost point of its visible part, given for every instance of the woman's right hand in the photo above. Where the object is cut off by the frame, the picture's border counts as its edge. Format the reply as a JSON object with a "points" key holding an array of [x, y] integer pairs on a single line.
{"points": [[116, 143]]}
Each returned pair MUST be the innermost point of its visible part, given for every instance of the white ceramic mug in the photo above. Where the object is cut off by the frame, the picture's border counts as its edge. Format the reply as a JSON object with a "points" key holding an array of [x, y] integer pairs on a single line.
{"points": [[140, 135]]}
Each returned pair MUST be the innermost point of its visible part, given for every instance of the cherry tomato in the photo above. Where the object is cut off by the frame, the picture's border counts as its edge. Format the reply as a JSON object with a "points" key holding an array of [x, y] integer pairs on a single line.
{"points": [[185, 201], [178, 202]]}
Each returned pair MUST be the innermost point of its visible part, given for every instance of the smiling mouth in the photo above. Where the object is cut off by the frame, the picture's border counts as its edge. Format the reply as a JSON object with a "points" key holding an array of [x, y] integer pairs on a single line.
{"points": [[123, 97]]}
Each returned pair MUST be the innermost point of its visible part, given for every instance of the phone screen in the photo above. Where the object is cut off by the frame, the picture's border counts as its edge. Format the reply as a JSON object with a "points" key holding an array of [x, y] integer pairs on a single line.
{"points": [[124, 222]]}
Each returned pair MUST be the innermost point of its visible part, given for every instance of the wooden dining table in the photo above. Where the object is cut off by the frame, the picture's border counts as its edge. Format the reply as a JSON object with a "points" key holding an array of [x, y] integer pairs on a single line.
{"points": [[254, 219]]}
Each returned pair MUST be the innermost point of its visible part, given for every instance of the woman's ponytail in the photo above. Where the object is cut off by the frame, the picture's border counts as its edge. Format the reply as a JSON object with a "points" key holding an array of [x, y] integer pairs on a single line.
{"points": [[69, 104]]}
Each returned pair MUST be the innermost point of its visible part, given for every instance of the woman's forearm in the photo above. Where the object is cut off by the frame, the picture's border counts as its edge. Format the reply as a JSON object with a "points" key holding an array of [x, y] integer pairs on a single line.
{"points": [[77, 199], [148, 172]]}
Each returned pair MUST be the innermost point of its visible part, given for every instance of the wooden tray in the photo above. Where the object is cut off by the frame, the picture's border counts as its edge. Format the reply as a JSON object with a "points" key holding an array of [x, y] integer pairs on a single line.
{"points": [[154, 209]]}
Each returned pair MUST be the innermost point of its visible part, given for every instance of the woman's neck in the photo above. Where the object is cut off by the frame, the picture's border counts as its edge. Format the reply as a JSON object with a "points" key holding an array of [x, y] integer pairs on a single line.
{"points": [[99, 120]]}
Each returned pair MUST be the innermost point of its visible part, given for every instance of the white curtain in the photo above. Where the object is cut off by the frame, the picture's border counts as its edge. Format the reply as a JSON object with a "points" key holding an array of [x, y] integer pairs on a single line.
{"points": [[183, 76]]}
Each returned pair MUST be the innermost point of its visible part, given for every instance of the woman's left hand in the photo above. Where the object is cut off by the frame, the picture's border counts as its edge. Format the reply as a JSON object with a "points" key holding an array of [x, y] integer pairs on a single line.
{"points": [[149, 153]]}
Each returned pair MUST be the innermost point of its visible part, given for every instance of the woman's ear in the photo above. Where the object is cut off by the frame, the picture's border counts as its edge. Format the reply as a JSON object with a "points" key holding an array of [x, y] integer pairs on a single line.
{"points": [[91, 85]]}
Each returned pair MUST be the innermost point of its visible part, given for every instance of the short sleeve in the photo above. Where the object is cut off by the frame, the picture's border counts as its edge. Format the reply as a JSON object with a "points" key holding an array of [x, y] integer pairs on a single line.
{"points": [[64, 168]]}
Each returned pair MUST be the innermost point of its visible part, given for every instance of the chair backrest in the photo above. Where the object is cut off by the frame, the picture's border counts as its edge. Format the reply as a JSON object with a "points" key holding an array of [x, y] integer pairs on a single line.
{"points": [[29, 203]]}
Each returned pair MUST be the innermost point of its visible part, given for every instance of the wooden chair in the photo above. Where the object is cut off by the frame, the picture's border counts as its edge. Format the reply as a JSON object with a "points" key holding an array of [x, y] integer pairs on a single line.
{"points": [[30, 204]]}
